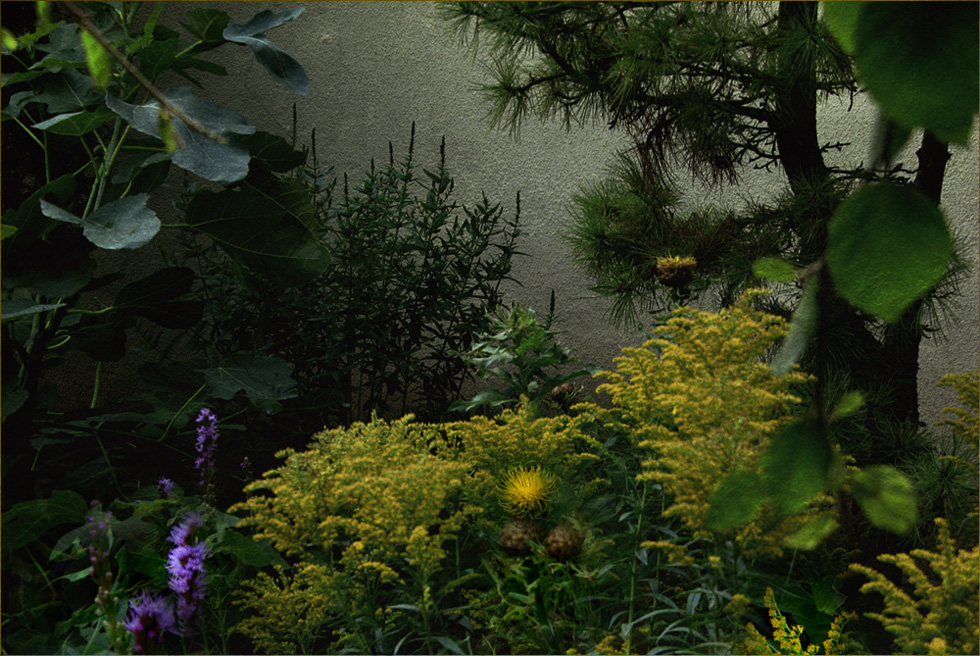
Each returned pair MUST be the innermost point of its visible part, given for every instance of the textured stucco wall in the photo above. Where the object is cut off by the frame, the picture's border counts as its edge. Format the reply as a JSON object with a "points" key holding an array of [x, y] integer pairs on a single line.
{"points": [[377, 66]]}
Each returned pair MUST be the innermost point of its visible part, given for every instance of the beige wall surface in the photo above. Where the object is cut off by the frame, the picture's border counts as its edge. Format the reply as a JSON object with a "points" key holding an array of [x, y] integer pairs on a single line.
{"points": [[375, 67]]}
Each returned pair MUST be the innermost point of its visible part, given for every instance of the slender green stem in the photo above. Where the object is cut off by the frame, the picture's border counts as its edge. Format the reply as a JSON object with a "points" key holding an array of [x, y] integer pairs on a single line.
{"points": [[95, 389], [180, 410], [631, 606], [30, 134]]}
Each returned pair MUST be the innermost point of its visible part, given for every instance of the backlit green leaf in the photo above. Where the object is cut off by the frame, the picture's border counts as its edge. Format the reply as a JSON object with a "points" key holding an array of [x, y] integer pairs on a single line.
{"points": [[920, 60], [887, 245], [886, 497], [842, 19], [813, 533], [774, 268], [736, 501], [849, 403], [802, 327], [796, 465]]}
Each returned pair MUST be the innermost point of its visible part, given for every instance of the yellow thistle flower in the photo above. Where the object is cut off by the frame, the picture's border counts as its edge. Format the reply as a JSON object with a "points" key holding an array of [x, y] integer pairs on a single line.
{"points": [[675, 263], [526, 492], [676, 271]]}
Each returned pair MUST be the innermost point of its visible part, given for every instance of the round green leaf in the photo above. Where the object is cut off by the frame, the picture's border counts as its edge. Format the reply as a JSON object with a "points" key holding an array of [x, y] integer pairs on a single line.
{"points": [[887, 246], [920, 62]]}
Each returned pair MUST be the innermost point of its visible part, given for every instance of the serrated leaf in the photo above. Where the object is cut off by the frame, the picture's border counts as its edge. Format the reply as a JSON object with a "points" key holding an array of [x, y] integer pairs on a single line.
{"points": [[274, 152], [887, 245], [813, 532], [736, 501], [796, 465], [267, 228], [774, 268], [206, 24], [278, 63], [224, 163], [886, 497], [75, 124], [123, 224], [12, 399], [920, 63], [7, 231], [803, 326], [266, 380], [156, 298], [29, 520], [25, 308]]}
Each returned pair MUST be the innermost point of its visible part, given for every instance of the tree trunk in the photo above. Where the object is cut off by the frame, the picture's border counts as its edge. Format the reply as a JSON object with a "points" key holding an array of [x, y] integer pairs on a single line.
{"points": [[902, 338], [795, 117]]}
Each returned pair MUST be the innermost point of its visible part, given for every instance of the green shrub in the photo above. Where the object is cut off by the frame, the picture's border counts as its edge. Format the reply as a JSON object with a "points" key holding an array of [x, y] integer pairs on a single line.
{"points": [[412, 278]]}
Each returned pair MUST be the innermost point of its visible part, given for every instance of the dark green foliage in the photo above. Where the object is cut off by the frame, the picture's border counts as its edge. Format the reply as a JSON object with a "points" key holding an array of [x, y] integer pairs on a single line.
{"points": [[411, 277], [87, 141], [711, 88], [523, 353]]}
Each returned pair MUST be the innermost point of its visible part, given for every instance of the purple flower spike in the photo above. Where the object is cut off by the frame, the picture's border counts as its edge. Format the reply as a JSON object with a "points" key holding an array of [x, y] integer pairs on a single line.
{"points": [[165, 487], [207, 440], [150, 616], [185, 565]]}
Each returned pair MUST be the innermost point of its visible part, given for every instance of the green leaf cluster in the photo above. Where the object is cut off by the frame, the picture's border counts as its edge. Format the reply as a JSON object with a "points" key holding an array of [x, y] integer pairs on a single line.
{"points": [[373, 315], [524, 354], [95, 140]]}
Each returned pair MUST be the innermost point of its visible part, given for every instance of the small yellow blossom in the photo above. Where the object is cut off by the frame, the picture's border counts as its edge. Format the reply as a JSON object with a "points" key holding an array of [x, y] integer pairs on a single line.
{"points": [[526, 491]]}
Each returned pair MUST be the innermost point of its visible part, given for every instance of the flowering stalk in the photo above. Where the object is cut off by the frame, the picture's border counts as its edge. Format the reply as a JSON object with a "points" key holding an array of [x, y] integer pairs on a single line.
{"points": [[185, 565], [100, 570], [207, 440], [150, 616]]}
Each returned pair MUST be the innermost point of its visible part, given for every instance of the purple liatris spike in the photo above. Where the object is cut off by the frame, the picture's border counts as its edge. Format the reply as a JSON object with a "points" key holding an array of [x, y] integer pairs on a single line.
{"points": [[207, 440], [164, 487], [185, 565], [150, 615]]}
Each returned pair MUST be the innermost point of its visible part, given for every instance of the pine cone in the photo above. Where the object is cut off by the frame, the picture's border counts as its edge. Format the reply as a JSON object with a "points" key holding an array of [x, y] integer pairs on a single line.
{"points": [[563, 542], [517, 535]]}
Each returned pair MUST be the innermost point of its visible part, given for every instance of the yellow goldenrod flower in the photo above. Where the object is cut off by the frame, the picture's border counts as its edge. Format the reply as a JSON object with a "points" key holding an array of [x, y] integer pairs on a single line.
{"points": [[526, 491]]}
